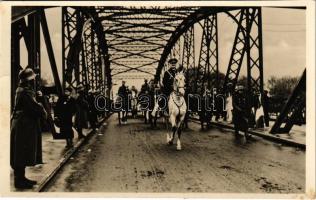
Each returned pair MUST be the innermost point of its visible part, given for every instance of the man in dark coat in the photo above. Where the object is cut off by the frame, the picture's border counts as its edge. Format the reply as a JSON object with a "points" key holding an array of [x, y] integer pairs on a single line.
{"points": [[82, 106], [64, 111], [240, 118], [25, 128], [123, 93], [93, 112], [168, 77], [145, 87]]}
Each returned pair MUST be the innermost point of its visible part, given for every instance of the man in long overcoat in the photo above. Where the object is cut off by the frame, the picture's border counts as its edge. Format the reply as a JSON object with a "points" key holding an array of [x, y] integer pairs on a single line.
{"points": [[168, 77], [240, 116], [25, 129], [64, 111], [81, 118], [123, 93]]}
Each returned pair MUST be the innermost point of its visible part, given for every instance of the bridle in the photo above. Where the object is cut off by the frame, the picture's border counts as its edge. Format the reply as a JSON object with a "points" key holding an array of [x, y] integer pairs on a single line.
{"points": [[178, 94]]}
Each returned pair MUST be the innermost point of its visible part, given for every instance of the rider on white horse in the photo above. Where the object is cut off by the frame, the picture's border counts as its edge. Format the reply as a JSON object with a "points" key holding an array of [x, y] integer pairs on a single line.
{"points": [[168, 78]]}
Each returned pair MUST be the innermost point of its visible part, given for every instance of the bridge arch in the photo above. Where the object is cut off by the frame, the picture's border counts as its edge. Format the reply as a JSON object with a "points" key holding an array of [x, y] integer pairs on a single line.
{"points": [[245, 18]]}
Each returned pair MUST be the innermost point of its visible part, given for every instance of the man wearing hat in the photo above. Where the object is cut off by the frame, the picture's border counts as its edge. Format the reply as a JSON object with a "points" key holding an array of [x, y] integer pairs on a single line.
{"points": [[81, 118], [240, 118], [145, 87], [25, 129], [64, 111], [93, 112], [123, 93], [168, 77]]}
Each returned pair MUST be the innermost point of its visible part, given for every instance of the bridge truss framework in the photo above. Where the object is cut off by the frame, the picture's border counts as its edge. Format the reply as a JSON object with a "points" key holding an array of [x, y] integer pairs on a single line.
{"points": [[103, 43]]}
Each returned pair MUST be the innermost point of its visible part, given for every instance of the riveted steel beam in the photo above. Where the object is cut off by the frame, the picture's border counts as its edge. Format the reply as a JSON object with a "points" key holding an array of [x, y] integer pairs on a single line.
{"points": [[208, 59], [189, 21], [293, 109]]}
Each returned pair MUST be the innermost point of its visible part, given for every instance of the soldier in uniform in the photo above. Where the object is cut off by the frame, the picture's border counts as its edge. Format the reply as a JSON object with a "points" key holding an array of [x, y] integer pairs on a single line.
{"points": [[25, 129], [168, 77], [93, 112], [81, 118], [145, 87], [240, 118], [123, 93], [64, 111]]}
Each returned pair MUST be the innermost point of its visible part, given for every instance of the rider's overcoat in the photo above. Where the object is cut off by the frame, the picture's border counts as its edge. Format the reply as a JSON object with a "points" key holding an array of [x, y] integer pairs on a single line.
{"points": [[168, 80]]}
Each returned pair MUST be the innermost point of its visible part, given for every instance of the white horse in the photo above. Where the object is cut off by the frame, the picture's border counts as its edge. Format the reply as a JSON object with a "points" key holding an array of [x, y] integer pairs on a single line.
{"points": [[177, 108]]}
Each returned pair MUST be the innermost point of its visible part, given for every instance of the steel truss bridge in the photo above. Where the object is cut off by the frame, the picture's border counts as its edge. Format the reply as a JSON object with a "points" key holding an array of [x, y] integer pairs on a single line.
{"points": [[103, 43]]}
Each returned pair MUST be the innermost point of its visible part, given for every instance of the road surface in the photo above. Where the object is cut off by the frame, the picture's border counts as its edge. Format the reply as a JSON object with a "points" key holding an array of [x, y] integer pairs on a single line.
{"points": [[135, 158]]}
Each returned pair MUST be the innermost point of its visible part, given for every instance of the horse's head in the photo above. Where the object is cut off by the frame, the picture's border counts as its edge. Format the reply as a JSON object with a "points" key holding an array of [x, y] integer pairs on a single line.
{"points": [[179, 82]]}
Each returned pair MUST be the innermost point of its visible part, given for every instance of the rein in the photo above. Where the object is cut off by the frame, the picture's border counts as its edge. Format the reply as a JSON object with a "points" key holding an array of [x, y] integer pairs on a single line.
{"points": [[175, 102]]}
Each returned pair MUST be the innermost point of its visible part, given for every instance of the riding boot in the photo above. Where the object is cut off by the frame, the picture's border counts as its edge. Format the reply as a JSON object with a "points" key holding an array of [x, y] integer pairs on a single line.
{"points": [[26, 179], [69, 143], [20, 180], [31, 182]]}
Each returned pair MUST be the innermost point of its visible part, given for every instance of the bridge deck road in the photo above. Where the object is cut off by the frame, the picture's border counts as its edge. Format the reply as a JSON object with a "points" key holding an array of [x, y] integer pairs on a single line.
{"points": [[135, 158]]}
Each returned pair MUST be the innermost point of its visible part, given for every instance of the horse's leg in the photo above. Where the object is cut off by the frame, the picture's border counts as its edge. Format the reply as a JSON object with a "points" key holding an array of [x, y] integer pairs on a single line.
{"points": [[155, 119], [145, 116], [179, 130], [119, 116], [125, 116], [172, 120], [150, 119], [201, 120], [179, 136]]}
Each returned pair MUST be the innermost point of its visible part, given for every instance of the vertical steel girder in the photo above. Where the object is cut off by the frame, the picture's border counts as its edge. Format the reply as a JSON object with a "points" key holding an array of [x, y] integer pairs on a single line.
{"points": [[208, 59], [71, 42], [15, 57], [30, 32], [248, 40], [84, 45], [188, 57], [34, 45], [50, 51], [292, 110], [253, 47]]}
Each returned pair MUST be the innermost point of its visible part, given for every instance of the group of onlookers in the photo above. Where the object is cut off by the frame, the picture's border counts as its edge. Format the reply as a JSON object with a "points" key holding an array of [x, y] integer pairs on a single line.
{"points": [[75, 108]]}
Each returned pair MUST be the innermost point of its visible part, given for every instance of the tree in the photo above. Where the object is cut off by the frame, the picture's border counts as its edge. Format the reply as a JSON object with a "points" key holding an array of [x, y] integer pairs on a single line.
{"points": [[282, 87], [242, 81]]}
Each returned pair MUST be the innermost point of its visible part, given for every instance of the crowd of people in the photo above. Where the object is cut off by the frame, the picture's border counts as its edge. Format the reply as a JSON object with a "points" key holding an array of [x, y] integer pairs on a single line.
{"points": [[74, 109], [233, 105]]}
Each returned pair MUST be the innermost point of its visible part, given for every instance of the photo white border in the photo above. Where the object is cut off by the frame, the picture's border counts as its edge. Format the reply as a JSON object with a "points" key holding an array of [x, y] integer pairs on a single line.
{"points": [[5, 60]]}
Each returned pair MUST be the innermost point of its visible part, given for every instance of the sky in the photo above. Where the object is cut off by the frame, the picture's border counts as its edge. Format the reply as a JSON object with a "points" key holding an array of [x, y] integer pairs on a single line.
{"points": [[284, 43]]}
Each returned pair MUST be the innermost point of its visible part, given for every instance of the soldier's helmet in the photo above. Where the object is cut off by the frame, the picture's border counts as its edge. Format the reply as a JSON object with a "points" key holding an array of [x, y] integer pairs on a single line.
{"points": [[26, 74]]}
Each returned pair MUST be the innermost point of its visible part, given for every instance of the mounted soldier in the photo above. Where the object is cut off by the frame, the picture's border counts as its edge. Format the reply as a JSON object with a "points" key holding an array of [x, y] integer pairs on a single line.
{"points": [[168, 77]]}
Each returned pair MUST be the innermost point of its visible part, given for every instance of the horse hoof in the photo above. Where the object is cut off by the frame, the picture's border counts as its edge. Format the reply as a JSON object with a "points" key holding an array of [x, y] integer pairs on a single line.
{"points": [[170, 143], [178, 145]]}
